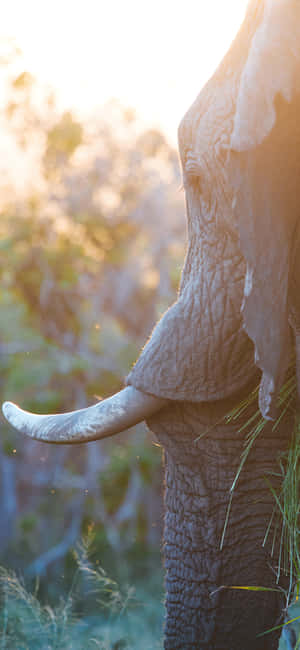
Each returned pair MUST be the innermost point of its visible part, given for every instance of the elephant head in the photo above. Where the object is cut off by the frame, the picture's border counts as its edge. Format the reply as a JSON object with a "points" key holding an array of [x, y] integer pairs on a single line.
{"points": [[236, 320]]}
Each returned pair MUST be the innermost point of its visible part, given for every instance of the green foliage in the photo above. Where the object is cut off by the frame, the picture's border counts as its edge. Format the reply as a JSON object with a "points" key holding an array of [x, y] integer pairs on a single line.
{"points": [[95, 613]]}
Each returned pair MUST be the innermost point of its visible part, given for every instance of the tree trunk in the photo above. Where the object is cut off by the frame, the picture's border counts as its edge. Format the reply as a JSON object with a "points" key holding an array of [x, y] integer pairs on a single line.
{"points": [[198, 479]]}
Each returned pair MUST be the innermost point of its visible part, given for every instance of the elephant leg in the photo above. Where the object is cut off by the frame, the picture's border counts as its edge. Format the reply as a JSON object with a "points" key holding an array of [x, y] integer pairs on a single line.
{"points": [[198, 477]]}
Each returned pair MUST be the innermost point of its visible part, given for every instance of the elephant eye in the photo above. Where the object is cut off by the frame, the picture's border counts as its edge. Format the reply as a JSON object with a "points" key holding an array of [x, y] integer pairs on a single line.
{"points": [[192, 186], [192, 166]]}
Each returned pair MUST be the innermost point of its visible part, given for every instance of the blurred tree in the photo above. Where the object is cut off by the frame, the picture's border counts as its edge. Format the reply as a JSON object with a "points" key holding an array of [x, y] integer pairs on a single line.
{"points": [[90, 257]]}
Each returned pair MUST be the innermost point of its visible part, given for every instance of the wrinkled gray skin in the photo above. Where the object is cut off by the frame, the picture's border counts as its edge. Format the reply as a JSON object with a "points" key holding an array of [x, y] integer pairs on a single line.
{"points": [[198, 479], [234, 324]]}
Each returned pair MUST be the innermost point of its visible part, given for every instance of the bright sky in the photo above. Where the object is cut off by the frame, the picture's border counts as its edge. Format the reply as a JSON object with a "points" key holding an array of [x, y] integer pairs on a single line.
{"points": [[153, 55]]}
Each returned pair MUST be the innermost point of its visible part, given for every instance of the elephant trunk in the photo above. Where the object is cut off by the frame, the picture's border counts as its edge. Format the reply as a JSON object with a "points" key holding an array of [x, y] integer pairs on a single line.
{"points": [[104, 419], [201, 613]]}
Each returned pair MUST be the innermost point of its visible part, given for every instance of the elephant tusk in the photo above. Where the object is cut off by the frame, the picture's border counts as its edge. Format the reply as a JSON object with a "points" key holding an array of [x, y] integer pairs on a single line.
{"points": [[104, 419]]}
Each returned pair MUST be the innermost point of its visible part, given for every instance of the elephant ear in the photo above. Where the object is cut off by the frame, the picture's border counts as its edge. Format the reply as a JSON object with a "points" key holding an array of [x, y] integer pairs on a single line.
{"points": [[265, 159], [272, 68]]}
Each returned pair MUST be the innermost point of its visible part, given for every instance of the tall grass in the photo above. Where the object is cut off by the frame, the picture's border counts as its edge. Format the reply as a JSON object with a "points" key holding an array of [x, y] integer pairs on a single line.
{"points": [[122, 617]]}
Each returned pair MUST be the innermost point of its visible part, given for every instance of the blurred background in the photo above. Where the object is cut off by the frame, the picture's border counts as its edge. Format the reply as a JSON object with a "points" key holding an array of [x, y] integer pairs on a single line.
{"points": [[92, 242]]}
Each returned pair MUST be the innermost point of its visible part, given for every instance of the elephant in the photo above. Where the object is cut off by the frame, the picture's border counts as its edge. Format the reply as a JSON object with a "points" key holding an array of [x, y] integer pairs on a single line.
{"points": [[235, 325]]}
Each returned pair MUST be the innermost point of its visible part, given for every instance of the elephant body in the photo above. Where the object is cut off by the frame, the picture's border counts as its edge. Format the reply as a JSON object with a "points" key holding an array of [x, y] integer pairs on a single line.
{"points": [[204, 355]]}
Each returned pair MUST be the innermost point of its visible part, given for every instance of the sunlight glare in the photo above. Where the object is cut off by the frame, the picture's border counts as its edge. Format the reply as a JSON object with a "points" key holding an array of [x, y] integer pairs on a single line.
{"points": [[154, 57]]}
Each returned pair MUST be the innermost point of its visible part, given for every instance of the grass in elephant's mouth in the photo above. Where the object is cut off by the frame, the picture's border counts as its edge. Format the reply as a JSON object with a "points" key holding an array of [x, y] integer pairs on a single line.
{"points": [[285, 520]]}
